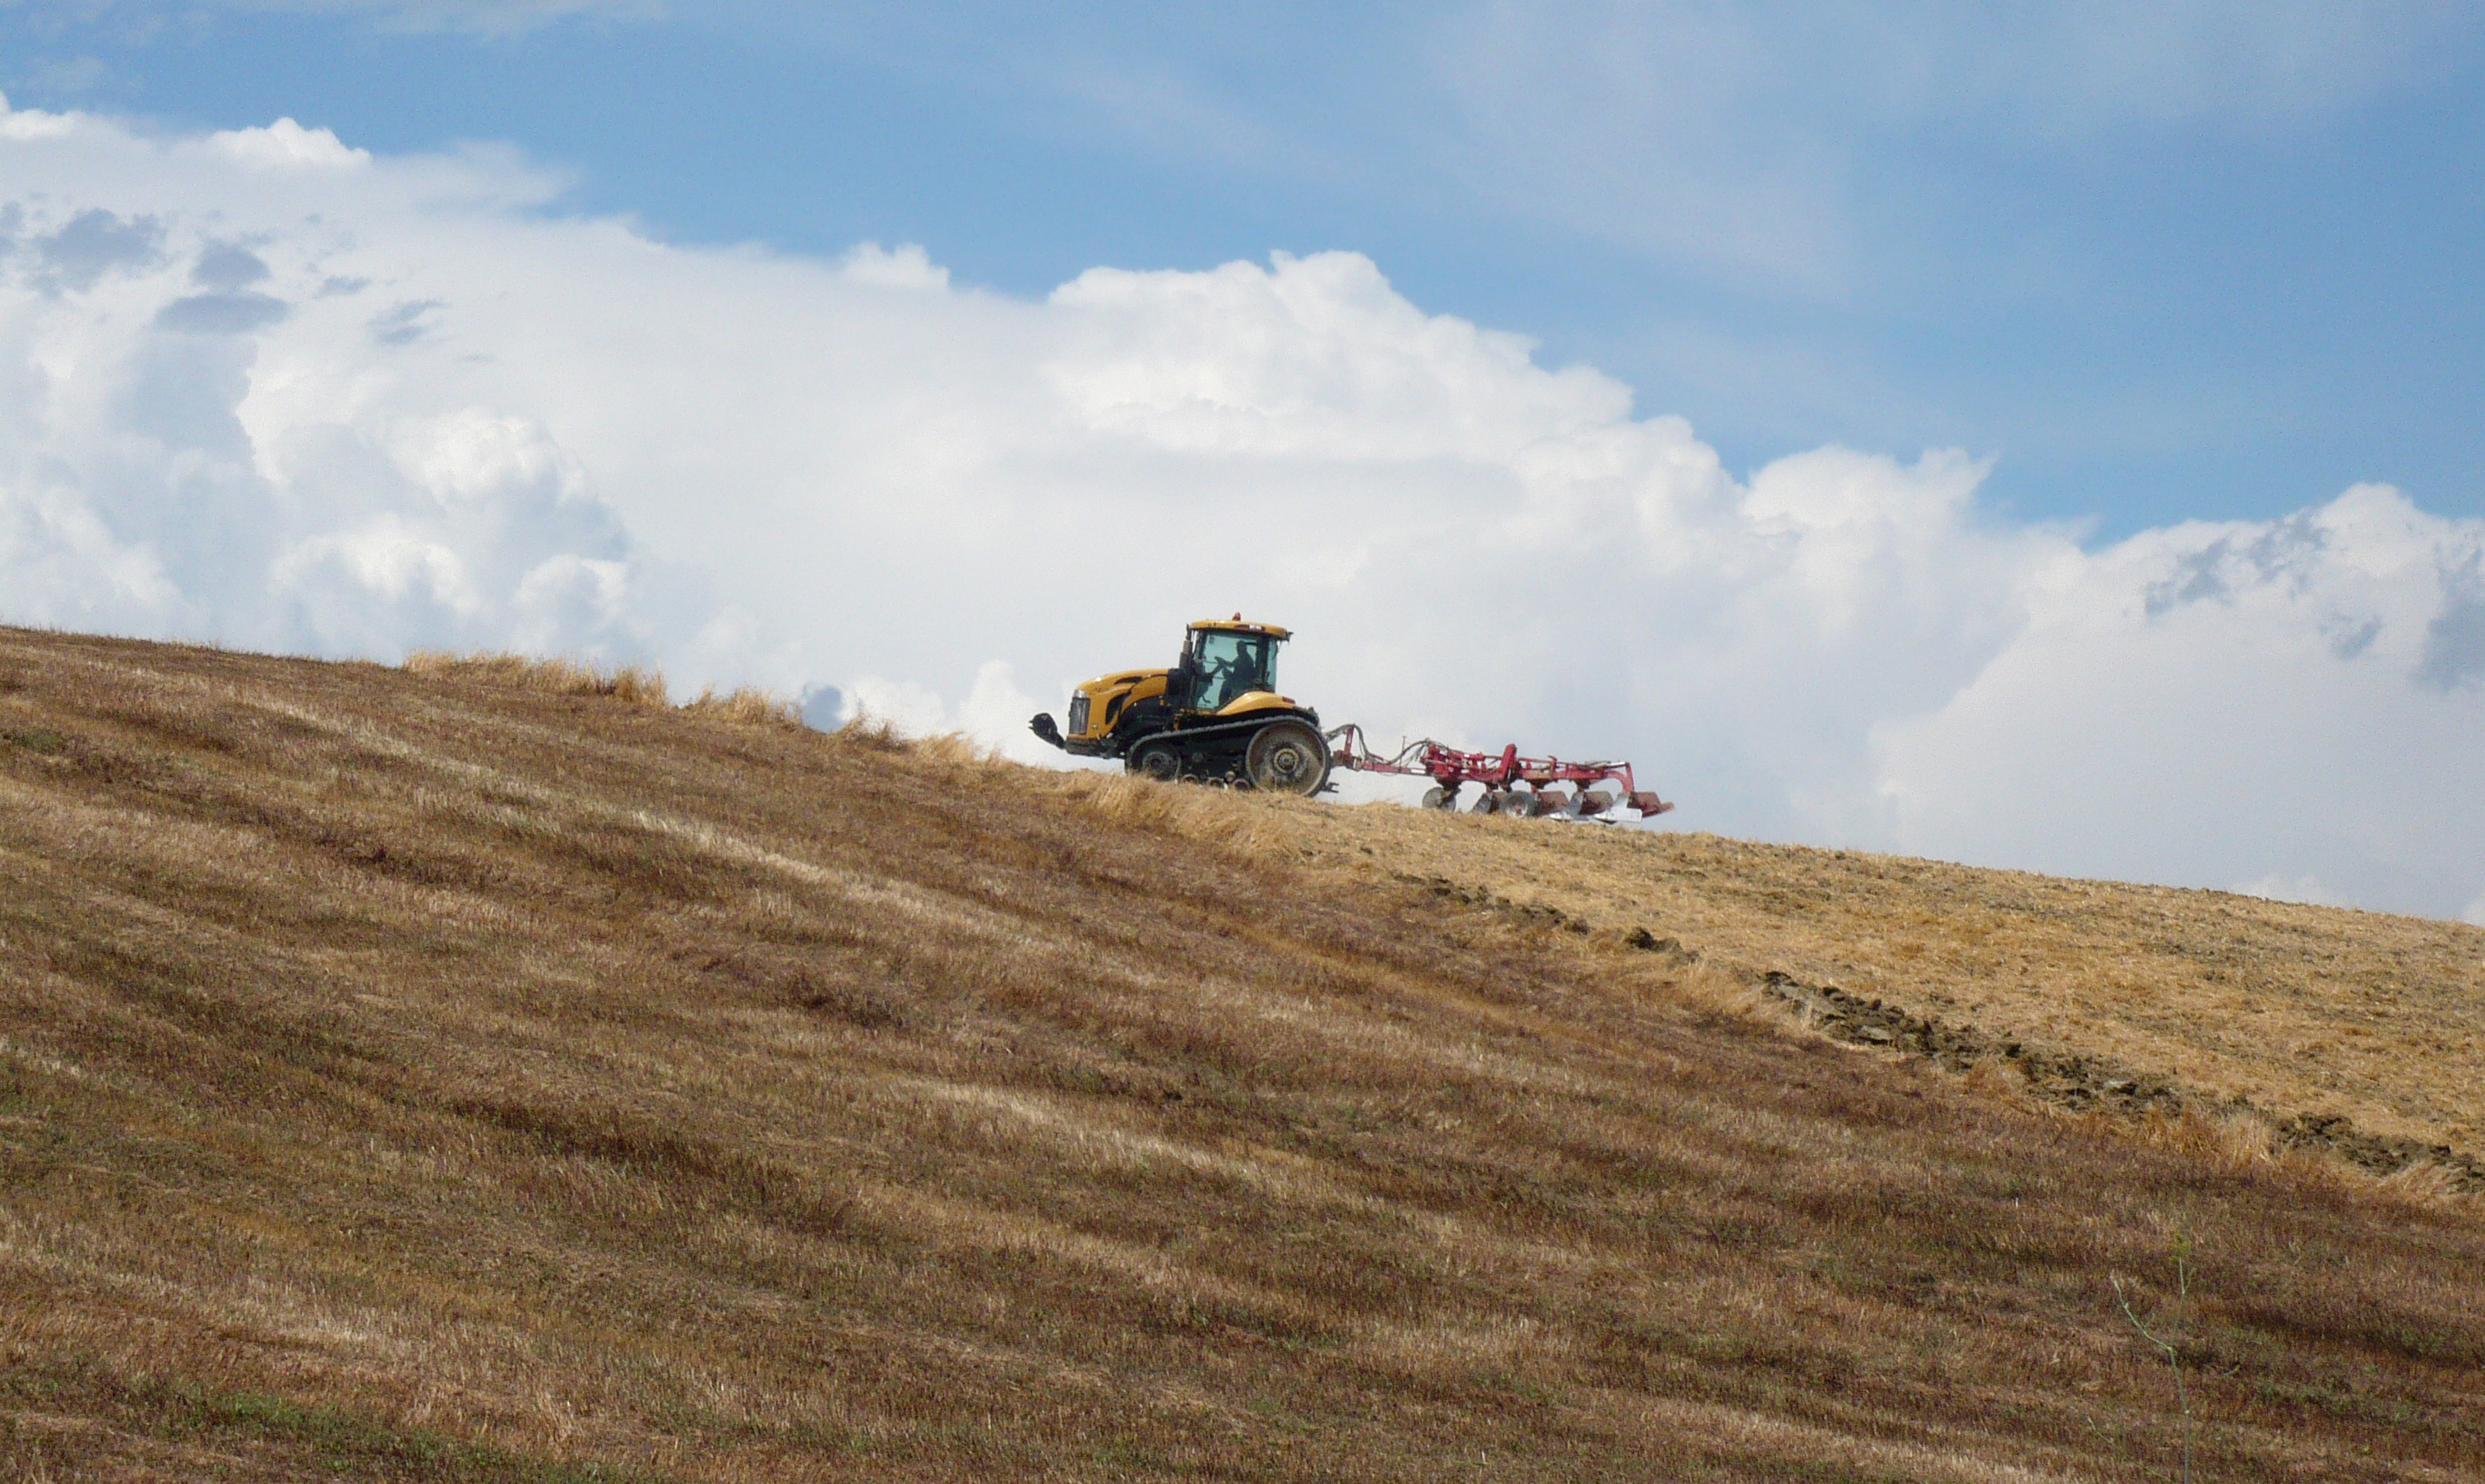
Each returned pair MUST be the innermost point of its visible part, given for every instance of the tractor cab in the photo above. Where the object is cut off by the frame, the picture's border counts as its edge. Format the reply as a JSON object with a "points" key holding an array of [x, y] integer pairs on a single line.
{"points": [[1221, 663]]}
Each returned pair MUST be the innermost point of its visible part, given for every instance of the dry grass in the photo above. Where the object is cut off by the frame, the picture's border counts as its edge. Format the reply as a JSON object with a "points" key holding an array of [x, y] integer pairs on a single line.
{"points": [[557, 676], [442, 1077], [745, 707], [638, 685], [2296, 1010]]}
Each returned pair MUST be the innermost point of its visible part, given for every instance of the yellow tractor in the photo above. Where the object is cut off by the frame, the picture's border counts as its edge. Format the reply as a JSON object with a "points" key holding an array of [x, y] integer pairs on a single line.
{"points": [[1214, 718]]}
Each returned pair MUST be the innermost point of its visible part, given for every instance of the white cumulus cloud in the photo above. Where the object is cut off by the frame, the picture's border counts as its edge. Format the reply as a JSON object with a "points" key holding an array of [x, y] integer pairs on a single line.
{"points": [[266, 388]]}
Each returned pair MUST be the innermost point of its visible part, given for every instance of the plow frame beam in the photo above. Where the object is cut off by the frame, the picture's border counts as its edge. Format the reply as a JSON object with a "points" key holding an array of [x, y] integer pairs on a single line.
{"points": [[1452, 769]]}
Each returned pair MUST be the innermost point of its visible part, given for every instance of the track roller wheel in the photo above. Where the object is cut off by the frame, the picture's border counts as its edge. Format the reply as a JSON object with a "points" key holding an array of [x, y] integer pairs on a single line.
{"points": [[1156, 760], [1287, 757]]}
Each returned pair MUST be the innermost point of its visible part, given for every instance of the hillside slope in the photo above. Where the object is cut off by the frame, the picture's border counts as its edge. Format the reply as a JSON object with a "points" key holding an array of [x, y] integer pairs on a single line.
{"points": [[420, 1076], [2322, 1019]]}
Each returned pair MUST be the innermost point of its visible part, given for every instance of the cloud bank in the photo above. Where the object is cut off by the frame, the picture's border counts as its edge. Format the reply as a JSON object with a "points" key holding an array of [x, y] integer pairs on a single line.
{"points": [[264, 387]]}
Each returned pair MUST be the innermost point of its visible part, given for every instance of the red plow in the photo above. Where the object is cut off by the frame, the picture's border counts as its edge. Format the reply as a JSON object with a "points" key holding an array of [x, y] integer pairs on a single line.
{"points": [[1530, 787]]}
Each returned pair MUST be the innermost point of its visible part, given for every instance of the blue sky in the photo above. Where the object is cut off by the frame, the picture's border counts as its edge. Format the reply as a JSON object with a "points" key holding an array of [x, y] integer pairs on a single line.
{"points": [[2156, 262]]}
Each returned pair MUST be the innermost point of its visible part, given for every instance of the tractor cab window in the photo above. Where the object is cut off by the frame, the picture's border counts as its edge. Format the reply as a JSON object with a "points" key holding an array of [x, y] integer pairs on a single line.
{"points": [[1229, 666]]}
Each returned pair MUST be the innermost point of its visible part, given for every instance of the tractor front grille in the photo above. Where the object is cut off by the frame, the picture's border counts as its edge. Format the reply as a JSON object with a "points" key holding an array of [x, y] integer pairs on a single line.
{"points": [[1079, 715]]}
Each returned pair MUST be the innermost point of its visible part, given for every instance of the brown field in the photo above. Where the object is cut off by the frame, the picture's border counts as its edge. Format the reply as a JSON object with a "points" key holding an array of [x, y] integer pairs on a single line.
{"points": [[2300, 1012], [486, 1073]]}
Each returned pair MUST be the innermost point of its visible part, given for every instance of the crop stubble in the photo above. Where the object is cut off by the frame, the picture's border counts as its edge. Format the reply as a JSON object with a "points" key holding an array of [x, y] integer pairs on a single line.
{"points": [[447, 1075]]}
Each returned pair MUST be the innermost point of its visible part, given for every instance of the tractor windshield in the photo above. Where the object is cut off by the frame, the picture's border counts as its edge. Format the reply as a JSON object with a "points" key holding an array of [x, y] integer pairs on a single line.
{"points": [[1231, 666]]}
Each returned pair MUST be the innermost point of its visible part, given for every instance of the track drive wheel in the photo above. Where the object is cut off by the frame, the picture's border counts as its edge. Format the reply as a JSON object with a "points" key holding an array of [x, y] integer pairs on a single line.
{"points": [[1287, 757], [1156, 760]]}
